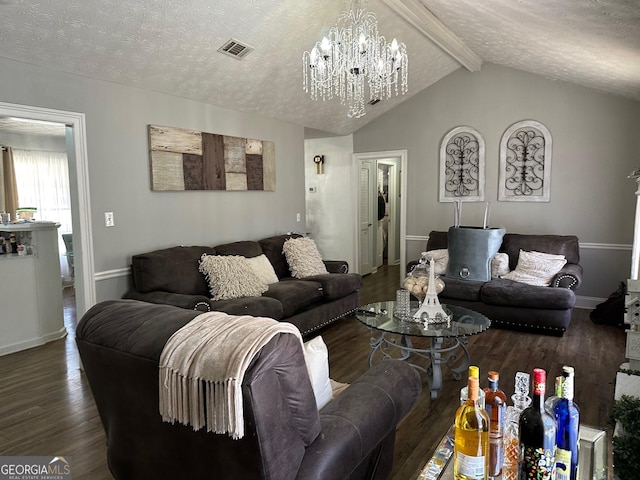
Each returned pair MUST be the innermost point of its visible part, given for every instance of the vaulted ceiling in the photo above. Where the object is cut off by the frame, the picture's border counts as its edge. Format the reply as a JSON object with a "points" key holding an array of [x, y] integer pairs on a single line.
{"points": [[171, 46]]}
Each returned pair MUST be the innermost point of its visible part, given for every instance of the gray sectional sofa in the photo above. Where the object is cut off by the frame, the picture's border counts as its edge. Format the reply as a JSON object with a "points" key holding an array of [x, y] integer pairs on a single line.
{"points": [[286, 437], [171, 276]]}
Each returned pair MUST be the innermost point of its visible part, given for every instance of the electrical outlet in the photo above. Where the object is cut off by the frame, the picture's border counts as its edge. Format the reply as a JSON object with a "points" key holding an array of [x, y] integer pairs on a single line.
{"points": [[108, 219], [297, 217]]}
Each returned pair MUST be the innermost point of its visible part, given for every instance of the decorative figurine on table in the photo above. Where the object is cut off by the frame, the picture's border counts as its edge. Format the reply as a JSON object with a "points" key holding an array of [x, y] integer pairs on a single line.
{"points": [[417, 281], [430, 310]]}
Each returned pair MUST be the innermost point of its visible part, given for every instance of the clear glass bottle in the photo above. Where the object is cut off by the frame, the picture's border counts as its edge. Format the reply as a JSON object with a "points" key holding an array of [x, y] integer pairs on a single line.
{"points": [[537, 435], [471, 438], [567, 416], [496, 407], [550, 402], [520, 400], [474, 371]]}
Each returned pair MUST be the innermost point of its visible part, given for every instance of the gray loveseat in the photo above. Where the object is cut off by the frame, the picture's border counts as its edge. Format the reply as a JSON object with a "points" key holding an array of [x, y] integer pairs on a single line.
{"points": [[171, 276], [518, 305], [286, 437]]}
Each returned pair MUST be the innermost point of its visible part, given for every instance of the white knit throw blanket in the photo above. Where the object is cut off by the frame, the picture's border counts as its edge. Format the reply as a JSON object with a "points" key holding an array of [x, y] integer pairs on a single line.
{"points": [[202, 367]]}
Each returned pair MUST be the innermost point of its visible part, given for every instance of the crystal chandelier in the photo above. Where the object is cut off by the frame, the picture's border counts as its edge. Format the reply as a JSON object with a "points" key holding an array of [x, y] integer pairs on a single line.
{"points": [[353, 57]]}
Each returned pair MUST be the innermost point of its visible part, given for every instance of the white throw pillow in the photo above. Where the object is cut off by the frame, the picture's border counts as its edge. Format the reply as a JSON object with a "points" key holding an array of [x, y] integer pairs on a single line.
{"points": [[303, 257], [499, 265], [316, 357], [536, 268], [263, 269], [230, 276], [440, 260]]}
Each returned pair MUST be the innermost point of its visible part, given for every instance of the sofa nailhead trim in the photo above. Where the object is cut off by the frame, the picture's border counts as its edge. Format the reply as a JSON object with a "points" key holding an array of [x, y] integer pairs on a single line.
{"points": [[331, 320], [557, 281], [536, 327], [199, 304]]}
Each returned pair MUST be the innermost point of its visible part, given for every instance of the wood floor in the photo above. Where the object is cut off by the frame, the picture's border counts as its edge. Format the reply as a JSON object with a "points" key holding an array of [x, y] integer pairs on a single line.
{"points": [[46, 407]]}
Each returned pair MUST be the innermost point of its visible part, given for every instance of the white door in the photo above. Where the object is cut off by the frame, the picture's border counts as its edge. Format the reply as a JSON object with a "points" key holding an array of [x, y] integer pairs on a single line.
{"points": [[393, 233], [367, 215]]}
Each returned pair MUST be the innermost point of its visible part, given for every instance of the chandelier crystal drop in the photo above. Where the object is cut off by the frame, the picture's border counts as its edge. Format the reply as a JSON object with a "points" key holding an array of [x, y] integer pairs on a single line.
{"points": [[352, 59]]}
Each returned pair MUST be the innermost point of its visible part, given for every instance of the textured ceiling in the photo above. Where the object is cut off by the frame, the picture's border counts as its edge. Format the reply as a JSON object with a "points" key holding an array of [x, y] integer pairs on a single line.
{"points": [[31, 127], [171, 46]]}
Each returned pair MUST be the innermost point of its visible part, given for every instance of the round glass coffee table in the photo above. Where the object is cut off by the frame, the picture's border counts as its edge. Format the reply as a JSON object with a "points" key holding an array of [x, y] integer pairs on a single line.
{"points": [[448, 340]]}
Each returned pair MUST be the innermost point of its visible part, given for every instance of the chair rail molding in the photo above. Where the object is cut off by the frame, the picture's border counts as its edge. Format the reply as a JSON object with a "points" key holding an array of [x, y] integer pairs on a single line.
{"points": [[109, 274]]}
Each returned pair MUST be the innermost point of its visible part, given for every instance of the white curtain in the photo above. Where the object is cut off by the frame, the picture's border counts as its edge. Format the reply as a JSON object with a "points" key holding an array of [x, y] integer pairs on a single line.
{"points": [[42, 180]]}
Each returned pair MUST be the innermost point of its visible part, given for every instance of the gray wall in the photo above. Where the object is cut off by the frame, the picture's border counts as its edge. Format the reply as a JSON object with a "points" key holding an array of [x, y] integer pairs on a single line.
{"points": [[116, 121], [330, 216], [594, 150]]}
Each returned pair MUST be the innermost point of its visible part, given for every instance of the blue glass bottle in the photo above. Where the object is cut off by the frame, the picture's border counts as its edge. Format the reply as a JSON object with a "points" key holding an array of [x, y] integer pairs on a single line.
{"points": [[567, 417]]}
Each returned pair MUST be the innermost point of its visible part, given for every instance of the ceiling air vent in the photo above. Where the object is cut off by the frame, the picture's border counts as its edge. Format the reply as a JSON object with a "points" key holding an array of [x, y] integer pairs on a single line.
{"points": [[235, 49]]}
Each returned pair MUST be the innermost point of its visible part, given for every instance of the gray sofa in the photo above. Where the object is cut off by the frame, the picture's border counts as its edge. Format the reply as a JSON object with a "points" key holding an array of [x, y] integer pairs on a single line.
{"points": [[171, 276], [517, 305], [286, 437]]}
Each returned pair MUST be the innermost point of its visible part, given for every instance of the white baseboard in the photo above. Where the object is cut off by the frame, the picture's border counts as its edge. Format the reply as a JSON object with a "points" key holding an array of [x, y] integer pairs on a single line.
{"points": [[588, 302], [33, 342]]}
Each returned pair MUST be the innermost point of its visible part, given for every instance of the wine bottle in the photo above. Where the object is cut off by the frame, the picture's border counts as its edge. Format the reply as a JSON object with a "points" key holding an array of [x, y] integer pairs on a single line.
{"points": [[537, 430], [471, 438], [13, 242], [496, 407], [474, 371], [567, 417]]}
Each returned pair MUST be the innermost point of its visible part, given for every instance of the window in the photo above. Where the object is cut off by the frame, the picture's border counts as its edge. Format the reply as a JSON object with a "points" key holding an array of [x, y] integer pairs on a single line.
{"points": [[42, 180]]}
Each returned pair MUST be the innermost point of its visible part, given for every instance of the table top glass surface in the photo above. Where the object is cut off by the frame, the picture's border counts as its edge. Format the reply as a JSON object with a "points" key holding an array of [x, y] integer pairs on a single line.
{"points": [[464, 322]]}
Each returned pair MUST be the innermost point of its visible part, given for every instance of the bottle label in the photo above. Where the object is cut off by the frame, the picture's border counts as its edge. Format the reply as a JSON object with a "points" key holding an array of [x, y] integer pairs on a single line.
{"points": [[538, 464], [538, 388], [470, 467], [563, 464]]}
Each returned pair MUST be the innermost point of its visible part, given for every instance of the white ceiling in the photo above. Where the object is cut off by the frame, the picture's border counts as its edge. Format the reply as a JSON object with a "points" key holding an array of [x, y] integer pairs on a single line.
{"points": [[171, 46]]}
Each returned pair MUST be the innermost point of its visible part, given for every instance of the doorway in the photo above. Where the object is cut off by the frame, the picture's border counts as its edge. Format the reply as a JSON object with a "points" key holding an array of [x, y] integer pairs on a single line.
{"points": [[388, 238], [75, 138], [372, 168]]}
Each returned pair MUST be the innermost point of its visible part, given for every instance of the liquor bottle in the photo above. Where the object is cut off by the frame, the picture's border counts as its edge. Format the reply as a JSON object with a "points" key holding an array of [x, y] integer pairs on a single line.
{"points": [[471, 438], [537, 430], [521, 400], [567, 417], [551, 401], [474, 371], [496, 407], [13, 242]]}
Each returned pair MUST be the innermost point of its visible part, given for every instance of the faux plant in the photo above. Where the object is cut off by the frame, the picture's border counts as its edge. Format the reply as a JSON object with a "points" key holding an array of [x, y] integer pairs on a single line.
{"points": [[626, 454]]}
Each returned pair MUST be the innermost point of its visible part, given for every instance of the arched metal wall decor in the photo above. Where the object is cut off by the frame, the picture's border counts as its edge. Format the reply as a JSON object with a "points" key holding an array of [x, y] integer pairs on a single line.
{"points": [[525, 163], [462, 153]]}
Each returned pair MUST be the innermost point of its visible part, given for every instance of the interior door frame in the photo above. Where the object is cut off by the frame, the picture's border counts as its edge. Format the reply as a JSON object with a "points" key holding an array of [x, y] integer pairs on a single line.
{"points": [[393, 221], [402, 155], [83, 247]]}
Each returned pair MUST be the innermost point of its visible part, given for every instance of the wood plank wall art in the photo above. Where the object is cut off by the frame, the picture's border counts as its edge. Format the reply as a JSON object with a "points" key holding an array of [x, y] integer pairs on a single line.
{"points": [[184, 159]]}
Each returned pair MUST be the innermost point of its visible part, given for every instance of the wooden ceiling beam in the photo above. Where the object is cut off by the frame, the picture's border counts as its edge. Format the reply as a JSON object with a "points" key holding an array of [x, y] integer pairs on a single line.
{"points": [[418, 15]]}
